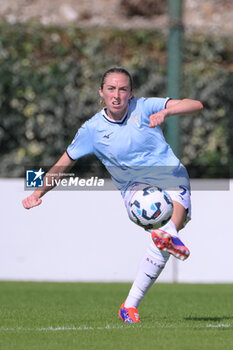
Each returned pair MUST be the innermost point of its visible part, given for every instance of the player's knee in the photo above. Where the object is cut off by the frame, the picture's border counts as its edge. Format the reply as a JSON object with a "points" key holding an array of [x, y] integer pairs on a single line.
{"points": [[179, 216]]}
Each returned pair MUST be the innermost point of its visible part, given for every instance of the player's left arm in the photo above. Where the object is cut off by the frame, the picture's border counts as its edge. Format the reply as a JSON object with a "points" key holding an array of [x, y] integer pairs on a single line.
{"points": [[175, 107]]}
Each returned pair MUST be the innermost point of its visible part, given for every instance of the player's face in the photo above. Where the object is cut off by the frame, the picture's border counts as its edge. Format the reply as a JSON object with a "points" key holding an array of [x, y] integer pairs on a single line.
{"points": [[116, 93]]}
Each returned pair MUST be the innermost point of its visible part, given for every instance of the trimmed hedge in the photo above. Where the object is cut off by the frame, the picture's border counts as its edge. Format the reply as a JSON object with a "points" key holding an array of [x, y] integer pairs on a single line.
{"points": [[49, 78]]}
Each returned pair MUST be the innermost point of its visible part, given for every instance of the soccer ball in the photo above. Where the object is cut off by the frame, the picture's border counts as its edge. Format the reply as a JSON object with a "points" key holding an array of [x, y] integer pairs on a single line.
{"points": [[150, 207]]}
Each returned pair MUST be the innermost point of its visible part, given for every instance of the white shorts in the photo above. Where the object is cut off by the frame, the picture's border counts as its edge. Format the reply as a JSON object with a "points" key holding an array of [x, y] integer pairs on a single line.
{"points": [[181, 195]]}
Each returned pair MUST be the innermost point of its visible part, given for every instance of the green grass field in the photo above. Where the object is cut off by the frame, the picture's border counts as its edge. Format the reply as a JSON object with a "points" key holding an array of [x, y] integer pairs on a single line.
{"points": [[85, 316]]}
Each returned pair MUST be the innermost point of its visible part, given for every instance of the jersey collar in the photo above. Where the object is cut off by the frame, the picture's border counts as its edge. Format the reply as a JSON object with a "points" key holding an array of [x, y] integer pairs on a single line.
{"points": [[104, 114]]}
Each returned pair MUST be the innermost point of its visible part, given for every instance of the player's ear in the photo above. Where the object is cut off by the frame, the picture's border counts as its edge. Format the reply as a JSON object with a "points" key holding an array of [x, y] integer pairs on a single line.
{"points": [[100, 92], [131, 94]]}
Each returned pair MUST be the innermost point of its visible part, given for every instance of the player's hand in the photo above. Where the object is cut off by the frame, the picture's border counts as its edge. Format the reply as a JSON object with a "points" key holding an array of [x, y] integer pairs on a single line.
{"points": [[31, 201], [157, 118]]}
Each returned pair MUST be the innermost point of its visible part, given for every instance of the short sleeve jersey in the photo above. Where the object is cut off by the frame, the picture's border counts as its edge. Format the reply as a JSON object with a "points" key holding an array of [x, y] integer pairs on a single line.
{"points": [[129, 149]]}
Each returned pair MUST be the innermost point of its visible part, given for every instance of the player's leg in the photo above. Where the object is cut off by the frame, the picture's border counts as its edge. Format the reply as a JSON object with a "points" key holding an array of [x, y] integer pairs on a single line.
{"points": [[149, 269], [155, 259], [166, 238], [152, 264]]}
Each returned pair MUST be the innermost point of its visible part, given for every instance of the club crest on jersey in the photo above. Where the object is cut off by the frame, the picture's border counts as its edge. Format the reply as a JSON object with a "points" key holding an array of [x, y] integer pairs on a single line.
{"points": [[136, 119]]}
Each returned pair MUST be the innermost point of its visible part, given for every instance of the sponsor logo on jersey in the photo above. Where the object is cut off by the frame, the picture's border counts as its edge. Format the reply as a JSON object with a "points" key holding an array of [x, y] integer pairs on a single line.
{"points": [[108, 135]]}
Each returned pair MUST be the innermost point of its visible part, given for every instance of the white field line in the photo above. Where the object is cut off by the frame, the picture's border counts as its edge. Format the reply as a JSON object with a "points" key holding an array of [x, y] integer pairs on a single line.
{"points": [[220, 325], [107, 327], [55, 329]]}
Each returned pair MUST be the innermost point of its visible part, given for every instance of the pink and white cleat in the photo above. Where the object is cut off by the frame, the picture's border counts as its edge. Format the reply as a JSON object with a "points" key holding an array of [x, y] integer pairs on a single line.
{"points": [[129, 315], [171, 244]]}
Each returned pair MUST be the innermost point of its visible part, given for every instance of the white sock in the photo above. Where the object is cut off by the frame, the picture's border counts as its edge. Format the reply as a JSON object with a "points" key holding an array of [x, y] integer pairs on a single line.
{"points": [[170, 227], [149, 270]]}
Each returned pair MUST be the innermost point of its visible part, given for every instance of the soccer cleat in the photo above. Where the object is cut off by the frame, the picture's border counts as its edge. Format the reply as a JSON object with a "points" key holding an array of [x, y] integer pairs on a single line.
{"points": [[170, 244], [129, 315]]}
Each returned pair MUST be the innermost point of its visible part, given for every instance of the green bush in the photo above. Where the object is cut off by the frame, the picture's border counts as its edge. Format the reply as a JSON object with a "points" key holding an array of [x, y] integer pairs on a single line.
{"points": [[49, 78]]}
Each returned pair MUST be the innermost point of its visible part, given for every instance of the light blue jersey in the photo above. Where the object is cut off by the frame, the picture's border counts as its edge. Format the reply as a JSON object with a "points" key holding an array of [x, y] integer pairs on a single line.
{"points": [[129, 149]]}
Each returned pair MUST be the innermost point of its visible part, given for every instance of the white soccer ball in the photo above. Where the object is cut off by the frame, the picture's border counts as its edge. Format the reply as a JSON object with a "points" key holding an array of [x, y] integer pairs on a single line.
{"points": [[150, 207]]}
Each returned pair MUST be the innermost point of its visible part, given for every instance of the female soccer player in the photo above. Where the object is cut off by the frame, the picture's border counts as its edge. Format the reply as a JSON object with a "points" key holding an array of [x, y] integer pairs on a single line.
{"points": [[125, 135]]}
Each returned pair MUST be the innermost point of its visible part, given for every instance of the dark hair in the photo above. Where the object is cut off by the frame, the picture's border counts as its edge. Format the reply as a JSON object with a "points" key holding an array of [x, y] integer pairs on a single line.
{"points": [[116, 70]]}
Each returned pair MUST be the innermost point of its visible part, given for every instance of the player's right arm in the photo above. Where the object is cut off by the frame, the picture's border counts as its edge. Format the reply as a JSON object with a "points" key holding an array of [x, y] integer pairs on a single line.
{"points": [[64, 164]]}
